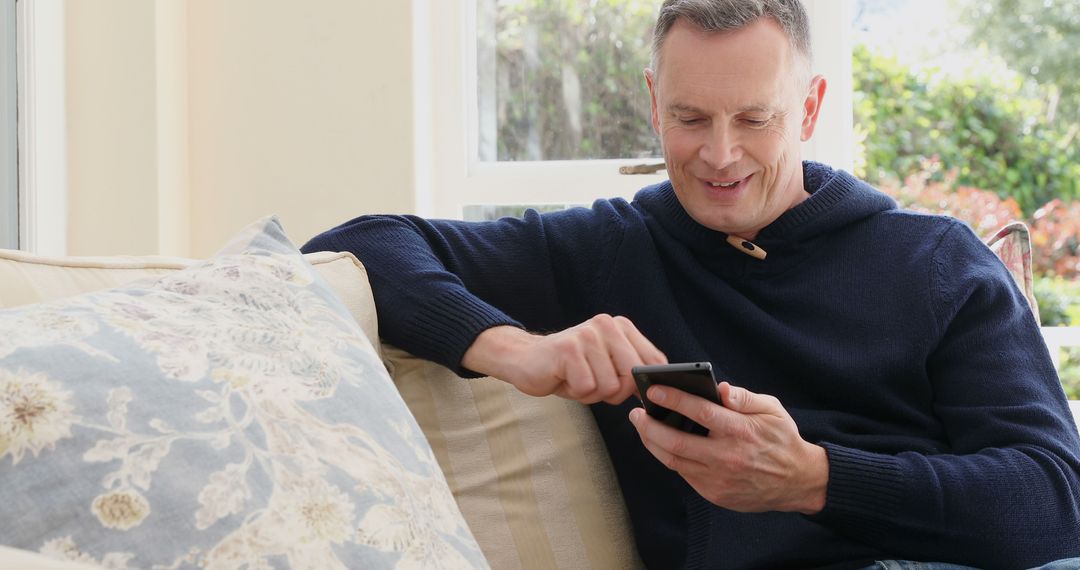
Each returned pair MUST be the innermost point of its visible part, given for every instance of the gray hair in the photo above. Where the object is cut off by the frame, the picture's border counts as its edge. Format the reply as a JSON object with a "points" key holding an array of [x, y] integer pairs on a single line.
{"points": [[729, 15]]}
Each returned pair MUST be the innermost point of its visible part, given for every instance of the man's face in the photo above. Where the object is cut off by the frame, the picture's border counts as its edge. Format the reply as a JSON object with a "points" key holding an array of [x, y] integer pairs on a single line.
{"points": [[731, 112]]}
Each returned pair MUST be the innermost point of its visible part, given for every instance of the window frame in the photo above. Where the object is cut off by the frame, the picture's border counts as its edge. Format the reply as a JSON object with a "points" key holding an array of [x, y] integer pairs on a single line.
{"points": [[9, 157], [449, 174], [42, 127]]}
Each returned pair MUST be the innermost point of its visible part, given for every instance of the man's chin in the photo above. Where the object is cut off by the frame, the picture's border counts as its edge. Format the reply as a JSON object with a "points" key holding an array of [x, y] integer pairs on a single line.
{"points": [[722, 225]]}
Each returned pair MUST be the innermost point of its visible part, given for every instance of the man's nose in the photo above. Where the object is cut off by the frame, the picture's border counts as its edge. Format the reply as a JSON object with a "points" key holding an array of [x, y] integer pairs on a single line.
{"points": [[721, 149]]}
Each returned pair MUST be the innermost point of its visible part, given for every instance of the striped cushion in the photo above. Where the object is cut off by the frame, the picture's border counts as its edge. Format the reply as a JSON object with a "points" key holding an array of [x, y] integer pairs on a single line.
{"points": [[531, 475]]}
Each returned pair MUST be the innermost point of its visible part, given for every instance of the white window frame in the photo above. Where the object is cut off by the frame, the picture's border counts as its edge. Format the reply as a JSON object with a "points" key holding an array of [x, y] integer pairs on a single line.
{"points": [[42, 127], [9, 190], [448, 173]]}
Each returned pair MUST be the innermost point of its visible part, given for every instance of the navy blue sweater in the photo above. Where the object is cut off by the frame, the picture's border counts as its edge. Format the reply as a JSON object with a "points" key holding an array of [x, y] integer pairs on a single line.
{"points": [[896, 340]]}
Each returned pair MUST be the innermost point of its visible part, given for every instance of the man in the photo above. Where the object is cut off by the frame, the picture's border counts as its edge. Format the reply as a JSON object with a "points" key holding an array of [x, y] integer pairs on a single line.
{"points": [[887, 394]]}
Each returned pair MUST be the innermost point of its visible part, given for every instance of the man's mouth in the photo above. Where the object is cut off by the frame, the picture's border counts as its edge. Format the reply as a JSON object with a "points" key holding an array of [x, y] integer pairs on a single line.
{"points": [[726, 184]]}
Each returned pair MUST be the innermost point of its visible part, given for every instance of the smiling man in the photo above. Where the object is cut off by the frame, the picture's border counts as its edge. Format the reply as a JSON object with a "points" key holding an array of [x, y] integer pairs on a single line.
{"points": [[886, 395]]}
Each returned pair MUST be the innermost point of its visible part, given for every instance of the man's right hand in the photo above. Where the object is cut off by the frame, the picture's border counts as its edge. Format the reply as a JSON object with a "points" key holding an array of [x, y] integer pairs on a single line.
{"points": [[589, 363]]}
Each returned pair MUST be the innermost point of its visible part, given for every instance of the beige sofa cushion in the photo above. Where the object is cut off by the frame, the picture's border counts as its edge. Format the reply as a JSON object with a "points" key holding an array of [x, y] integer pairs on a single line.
{"points": [[531, 475]]}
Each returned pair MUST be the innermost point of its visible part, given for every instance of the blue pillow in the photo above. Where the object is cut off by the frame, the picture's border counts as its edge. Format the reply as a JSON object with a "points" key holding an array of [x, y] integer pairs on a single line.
{"points": [[227, 415]]}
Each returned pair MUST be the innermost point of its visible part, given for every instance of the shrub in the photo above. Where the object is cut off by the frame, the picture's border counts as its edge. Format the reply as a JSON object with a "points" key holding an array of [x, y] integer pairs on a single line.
{"points": [[989, 132], [1055, 238], [1069, 372], [1053, 303], [931, 191]]}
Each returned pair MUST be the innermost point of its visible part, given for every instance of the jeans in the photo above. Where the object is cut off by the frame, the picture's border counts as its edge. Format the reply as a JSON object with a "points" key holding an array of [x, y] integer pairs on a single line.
{"points": [[1064, 564]]}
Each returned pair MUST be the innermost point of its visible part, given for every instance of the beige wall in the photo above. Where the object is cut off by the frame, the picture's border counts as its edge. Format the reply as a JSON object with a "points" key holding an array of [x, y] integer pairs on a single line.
{"points": [[189, 118], [111, 126]]}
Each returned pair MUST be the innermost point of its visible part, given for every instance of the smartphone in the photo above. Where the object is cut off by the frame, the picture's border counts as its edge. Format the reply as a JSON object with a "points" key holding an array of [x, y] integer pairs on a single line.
{"points": [[691, 377]]}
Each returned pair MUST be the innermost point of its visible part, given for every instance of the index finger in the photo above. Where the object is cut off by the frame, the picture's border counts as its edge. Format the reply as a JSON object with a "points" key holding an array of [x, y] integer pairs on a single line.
{"points": [[629, 349], [645, 349]]}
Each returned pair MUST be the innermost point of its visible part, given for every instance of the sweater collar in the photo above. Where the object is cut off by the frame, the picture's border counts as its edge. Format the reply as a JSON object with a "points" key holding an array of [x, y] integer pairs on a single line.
{"points": [[837, 199]]}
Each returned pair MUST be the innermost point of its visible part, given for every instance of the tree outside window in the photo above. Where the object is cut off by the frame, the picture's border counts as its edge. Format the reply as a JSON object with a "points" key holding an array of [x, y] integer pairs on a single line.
{"points": [[562, 79]]}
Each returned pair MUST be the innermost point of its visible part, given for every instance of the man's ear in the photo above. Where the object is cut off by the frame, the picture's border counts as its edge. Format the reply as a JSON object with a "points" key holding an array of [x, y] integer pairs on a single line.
{"points": [[650, 81], [812, 106]]}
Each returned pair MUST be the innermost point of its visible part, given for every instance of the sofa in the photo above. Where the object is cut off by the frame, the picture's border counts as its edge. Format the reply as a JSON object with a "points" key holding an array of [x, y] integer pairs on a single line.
{"points": [[295, 437]]}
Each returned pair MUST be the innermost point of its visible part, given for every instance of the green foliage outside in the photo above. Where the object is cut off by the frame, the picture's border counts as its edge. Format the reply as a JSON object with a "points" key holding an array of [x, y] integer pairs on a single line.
{"points": [[569, 77], [988, 130], [1039, 39], [1054, 295], [1057, 307], [1069, 372]]}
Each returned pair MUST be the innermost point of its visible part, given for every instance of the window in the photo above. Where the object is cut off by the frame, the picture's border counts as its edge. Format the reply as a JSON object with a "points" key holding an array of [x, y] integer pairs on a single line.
{"points": [[9, 178], [562, 80], [973, 112], [541, 103]]}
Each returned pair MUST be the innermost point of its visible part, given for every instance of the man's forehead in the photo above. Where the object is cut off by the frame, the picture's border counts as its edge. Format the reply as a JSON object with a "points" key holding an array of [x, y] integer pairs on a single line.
{"points": [[746, 67]]}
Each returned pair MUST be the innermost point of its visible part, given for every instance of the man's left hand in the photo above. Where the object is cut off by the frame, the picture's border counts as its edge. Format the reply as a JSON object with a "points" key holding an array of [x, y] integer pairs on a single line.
{"points": [[753, 459]]}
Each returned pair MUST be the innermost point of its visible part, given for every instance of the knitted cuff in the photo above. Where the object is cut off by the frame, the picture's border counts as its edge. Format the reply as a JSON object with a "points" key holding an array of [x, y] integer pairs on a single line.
{"points": [[448, 326], [864, 490]]}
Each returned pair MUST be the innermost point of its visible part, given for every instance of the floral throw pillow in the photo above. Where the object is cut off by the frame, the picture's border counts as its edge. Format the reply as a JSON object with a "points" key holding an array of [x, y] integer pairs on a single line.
{"points": [[229, 415]]}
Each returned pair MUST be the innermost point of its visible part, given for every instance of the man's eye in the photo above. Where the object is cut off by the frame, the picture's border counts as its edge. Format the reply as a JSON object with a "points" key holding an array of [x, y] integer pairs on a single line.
{"points": [[689, 120], [756, 122]]}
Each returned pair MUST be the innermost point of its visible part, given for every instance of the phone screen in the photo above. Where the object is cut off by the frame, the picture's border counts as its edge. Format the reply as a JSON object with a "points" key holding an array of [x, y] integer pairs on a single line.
{"points": [[692, 377]]}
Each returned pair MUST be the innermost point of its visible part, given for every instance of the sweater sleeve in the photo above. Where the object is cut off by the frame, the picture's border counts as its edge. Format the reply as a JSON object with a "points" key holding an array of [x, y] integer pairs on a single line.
{"points": [[439, 283], [1007, 492]]}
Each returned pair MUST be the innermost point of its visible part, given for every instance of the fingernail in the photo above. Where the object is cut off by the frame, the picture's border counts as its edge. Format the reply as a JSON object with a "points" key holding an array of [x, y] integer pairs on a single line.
{"points": [[657, 394], [635, 415]]}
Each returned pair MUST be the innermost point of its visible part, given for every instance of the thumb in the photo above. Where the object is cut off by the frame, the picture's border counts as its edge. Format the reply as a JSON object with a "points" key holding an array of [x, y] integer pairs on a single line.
{"points": [[736, 398], [730, 397], [746, 402]]}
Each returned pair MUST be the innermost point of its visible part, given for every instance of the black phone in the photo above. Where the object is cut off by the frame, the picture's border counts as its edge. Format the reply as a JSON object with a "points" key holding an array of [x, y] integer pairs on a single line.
{"points": [[691, 377]]}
